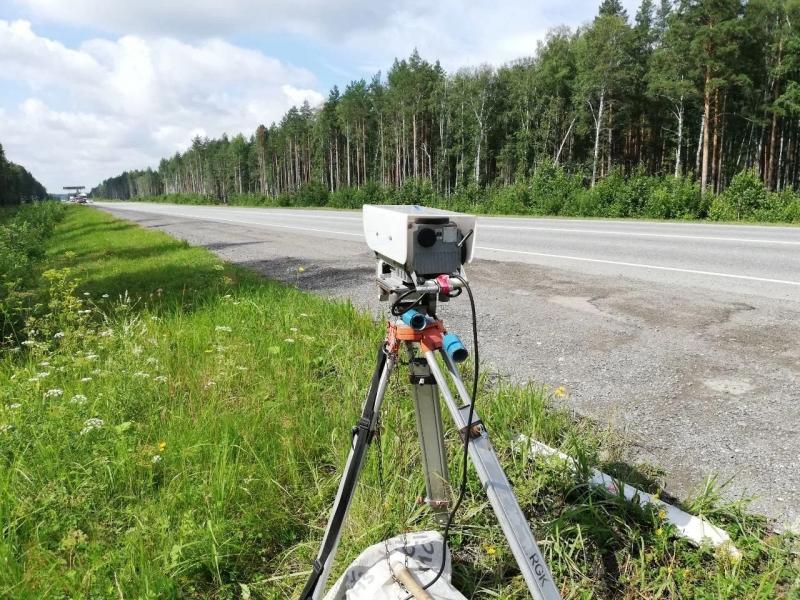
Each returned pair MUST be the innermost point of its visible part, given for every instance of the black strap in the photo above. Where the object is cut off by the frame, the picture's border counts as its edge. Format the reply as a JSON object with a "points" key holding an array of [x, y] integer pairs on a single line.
{"points": [[350, 479]]}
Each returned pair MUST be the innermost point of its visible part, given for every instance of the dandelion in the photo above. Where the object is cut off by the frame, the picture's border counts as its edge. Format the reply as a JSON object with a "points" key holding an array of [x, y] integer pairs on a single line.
{"points": [[162, 446], [560, 392], [90, 424], [78, 399], [224, 328], [489, 549], [301, 269], [662, 514], [156, 459], [58, 334], [85, 379], [14, 406], [53, 393]]}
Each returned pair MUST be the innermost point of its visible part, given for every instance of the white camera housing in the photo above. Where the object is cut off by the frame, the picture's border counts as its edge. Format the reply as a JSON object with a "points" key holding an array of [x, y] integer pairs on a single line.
{"points": [[419, 240]]}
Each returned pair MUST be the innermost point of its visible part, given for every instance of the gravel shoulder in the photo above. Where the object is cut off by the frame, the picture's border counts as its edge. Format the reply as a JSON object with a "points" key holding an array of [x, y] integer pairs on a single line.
{"points": [[702, 382]]}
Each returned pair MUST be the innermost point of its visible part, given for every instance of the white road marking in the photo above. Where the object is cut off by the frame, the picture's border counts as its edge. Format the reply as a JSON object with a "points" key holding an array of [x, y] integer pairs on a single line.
{"points": [[642, 234], [528, 253], [256, 224], [641, 265]]}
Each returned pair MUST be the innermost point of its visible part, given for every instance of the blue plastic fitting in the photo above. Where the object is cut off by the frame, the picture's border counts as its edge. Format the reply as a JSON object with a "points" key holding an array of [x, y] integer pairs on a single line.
{"points": [[414, 319], [454, 348]]}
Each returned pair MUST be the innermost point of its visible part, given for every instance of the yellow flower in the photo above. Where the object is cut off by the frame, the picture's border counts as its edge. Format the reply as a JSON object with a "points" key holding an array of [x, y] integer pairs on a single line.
{"points": [[301, 269], [162, 446], [489, 549], [662, 514], [560, 391]]}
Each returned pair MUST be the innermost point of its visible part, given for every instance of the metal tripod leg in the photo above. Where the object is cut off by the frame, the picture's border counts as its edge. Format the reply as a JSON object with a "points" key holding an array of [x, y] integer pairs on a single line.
{"points": [[513, 522], [431, 437], [362, 436]]}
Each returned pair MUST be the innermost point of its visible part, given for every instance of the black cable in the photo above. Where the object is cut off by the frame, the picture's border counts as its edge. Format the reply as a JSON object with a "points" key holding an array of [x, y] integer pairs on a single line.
{"points": [[462, 490]]}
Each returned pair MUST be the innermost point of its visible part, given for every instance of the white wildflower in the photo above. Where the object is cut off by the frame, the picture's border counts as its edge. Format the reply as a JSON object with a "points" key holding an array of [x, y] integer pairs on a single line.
{"points": [[141, 374], [90, 424], [44, 363], [13, 406], [91, 357], [105, 295], [28, 342], [137, 350], [86, 294], [85, 312], [85, 379], [224, 328], [78, 399], [289, 341], [106, 333], [303, 314], [156, 459], [54, 393], [160, 378], [293, 329], [42, 374], [58, 334], [6, 427], [152, 360]]}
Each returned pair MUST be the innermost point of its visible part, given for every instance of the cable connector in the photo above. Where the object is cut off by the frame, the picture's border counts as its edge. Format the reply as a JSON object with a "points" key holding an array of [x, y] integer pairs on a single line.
{"points": [[443, 281]]}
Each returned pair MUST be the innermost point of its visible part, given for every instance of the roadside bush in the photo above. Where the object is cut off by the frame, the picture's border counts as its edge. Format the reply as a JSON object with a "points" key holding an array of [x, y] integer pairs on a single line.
{"points": [[745, 195], [675, 198], [550, 190], [553, 190], [22, 239], [312, 193], [508, 200]]}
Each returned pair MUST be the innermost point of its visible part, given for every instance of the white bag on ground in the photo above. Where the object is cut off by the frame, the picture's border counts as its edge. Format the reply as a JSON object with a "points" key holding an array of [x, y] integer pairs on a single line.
{"points": [[369, 576]]}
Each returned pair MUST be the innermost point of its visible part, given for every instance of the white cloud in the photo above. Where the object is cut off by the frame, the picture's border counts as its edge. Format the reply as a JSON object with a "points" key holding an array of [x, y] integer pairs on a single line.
{"points": [[129, 102], [373, 32]]}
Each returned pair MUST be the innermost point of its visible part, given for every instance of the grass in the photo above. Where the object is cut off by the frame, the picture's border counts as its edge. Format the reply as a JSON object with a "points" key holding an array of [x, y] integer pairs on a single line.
{"points": [[173, 427]]}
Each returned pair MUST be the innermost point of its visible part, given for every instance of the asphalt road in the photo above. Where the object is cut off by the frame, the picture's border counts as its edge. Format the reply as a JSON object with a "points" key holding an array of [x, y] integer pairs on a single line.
{"points": [[683, 336]]}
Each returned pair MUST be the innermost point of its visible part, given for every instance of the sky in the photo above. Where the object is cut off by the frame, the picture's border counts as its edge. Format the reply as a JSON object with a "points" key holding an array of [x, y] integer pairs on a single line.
{"points": [[91, 88]]}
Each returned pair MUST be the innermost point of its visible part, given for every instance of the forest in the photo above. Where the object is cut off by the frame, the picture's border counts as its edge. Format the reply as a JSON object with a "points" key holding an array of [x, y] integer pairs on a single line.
{"points": [[17, 184], [687, 109]]}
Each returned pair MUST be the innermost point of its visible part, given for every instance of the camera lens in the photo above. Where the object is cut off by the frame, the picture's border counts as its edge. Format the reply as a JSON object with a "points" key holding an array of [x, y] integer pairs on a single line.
{"points": [[426, 237]]}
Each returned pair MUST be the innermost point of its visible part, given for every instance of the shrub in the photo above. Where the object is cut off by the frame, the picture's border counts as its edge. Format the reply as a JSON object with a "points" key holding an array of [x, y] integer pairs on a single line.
{"points": [[552, 189], [312, 193], [675, 198], [744, 197]]}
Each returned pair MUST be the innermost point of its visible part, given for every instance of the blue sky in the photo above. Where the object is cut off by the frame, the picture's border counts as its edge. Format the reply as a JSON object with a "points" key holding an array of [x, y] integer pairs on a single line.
{"points": [[89, 88]]}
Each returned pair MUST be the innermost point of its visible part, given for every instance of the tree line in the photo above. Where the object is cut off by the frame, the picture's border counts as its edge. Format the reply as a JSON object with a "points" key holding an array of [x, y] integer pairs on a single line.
{"points": [[695, 90], [17, 184]]}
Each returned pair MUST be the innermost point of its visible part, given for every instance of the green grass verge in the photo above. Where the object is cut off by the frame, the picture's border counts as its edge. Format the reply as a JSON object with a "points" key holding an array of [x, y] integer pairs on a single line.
{"points": [[172, 426]]}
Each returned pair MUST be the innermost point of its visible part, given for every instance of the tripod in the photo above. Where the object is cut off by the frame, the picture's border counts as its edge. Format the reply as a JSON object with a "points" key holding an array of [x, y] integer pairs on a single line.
{"points": [[425, 338]]}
